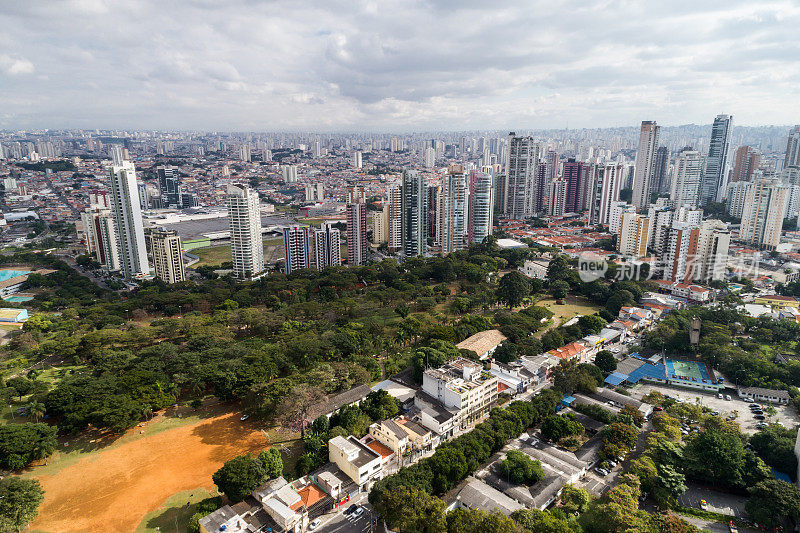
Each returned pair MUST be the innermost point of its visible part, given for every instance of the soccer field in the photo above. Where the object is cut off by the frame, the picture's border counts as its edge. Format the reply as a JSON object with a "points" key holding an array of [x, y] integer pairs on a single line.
{"points": [[688, 369]]}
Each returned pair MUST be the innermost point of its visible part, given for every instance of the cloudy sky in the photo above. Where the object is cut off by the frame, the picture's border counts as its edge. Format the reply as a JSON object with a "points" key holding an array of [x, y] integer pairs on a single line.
{"points": [[385, 65]]}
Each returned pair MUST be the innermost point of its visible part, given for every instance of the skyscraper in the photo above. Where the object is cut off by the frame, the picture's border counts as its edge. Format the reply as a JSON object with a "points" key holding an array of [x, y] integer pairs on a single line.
{"points": [[357, 159], [414, 212], [792, 156], [605, 184], [575, 181], [557, 198], [244, 217], [128, 220], [745, 163], [643, 185], [395, 218], [297, 248], [687, 177], [661, 171], [521, 178], [327, 247], [357, 233], [165, 247], [633, 235], [762, 216], [481, 206], [429, 155], [714, 176], [289, 173], [454, 210], [380, 225]]}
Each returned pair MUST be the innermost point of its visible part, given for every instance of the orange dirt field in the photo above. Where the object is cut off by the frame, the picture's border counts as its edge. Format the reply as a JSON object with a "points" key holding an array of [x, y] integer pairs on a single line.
{"points": [[113, 489]]}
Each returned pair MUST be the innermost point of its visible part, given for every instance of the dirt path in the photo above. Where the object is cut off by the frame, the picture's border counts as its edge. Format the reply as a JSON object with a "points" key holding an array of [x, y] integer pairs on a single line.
{"points": [[114, 489]]}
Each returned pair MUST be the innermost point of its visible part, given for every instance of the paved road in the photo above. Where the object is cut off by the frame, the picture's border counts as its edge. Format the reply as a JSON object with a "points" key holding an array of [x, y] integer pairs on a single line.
{"points": [[337, 522]]}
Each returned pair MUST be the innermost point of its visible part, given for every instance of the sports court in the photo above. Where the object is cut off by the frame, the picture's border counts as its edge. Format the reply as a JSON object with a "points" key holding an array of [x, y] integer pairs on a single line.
{"points": [[688, 370]]}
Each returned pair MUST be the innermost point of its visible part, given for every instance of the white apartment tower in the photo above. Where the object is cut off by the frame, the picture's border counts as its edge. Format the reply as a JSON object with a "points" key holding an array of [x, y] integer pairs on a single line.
{"points": [[128, 220], [395, 218], [521, 177], [792, 157], [643, 184], [633, 235], [686, 178], [605, 184], [762, 216], [558, 197], [244, 217], [481, 206]]}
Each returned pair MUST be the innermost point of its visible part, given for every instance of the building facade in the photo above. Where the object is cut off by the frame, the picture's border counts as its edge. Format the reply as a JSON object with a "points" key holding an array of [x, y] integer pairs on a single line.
{"points": [[128, 221], [244, 219]]}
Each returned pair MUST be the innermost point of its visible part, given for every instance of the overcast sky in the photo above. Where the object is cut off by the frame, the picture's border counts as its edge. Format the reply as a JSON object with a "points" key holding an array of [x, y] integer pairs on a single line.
{"points": [[384, 65]]}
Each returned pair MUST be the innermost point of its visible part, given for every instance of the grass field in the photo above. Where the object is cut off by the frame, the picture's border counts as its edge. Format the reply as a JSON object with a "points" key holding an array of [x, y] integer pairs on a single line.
{"points": [[572, 307], [216, 255], [145, 478]]}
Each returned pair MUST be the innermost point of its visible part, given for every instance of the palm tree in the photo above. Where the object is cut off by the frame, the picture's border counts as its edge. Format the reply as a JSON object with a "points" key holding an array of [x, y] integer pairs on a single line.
{"points": [[36, 410]]}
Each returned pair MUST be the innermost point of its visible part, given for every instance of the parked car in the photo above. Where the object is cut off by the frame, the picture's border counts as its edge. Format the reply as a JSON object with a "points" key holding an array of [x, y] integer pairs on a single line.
{"points": [[351, 509], [758, 405], [601, 471], [244, 417], [759, 417], [358, 512], [728, 397], [748, 400], [314, 524], [758, 412], [719, 395], [658, 408]]}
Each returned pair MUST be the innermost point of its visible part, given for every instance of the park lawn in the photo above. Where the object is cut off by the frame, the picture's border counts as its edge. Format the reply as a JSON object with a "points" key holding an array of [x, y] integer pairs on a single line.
{"points": [[174, 513], [572, 307]]}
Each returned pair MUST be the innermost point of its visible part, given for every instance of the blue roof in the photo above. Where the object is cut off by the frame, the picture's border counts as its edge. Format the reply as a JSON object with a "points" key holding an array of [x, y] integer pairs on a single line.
{"points": [[648, 370], [567, 400], [615, 378]]}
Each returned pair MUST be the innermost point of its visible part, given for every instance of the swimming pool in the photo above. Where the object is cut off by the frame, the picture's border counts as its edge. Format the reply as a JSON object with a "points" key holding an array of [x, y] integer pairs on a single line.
{"points": [[7, 274], [18, 299]]}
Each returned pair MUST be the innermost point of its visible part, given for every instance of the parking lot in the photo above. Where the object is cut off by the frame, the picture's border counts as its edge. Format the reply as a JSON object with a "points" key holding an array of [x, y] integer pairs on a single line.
{"points": [[786, 414], [717, 502]]}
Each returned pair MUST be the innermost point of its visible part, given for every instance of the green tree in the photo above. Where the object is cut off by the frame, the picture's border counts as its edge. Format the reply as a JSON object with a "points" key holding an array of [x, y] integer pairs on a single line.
{"points": [[590, 324], [518, 467], [558, 427], [239, 476], [513, 288], [559, 289], [574, 499], [475, 521], [412, 510], [772, 500], [19, 502], [534, 520], [272, 462], [605, 361]]}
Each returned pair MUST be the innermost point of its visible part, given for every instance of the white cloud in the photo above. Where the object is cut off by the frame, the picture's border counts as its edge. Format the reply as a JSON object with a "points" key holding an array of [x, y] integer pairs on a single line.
{"points": [[410, 64], [15, 66]]}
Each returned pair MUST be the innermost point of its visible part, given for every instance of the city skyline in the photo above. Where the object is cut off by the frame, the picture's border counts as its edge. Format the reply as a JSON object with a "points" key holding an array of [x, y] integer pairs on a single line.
{"points": [[371, 67]]}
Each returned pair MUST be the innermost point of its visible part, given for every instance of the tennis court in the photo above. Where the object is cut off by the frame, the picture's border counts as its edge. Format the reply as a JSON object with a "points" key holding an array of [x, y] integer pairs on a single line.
{"points": [[688, 370]]}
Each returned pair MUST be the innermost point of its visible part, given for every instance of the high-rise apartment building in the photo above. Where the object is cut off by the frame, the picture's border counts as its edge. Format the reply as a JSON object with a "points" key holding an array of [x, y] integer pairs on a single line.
{"points": [[643, 185], [357, 233], [746, 161], [633, 235], [714, 176], [395, 218], [244, 153], [792, 156], [171, 189], [289, 173], [615, 212], [414, 213], [453, 213], [128, 220], [574, 176], [605, 182], [357, 163], [244, 218], [687, 177], [762, 216], [327, 247], [481, 206], [661, 181], [695, 252], [429, 156], [380, 225], [297, 248], [734, 199], [522, 187], [314, 192], [557, 199], [166, 249]]}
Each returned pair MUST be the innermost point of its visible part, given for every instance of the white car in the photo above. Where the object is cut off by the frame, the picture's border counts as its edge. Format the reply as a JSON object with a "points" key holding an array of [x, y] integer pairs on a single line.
{"points": [[314, 524], [358, 512], [244, 417]]}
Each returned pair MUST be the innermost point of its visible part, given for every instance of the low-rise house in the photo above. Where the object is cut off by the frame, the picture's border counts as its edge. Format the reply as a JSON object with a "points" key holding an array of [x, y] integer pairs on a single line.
{"points": [[391, 435], [334, 403], [776, 300], [515, 376], [573, 350], [483, 343], [540, 366], [477, 495], [358, 461], [536, 268], [759, 394], [13, 316]]}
